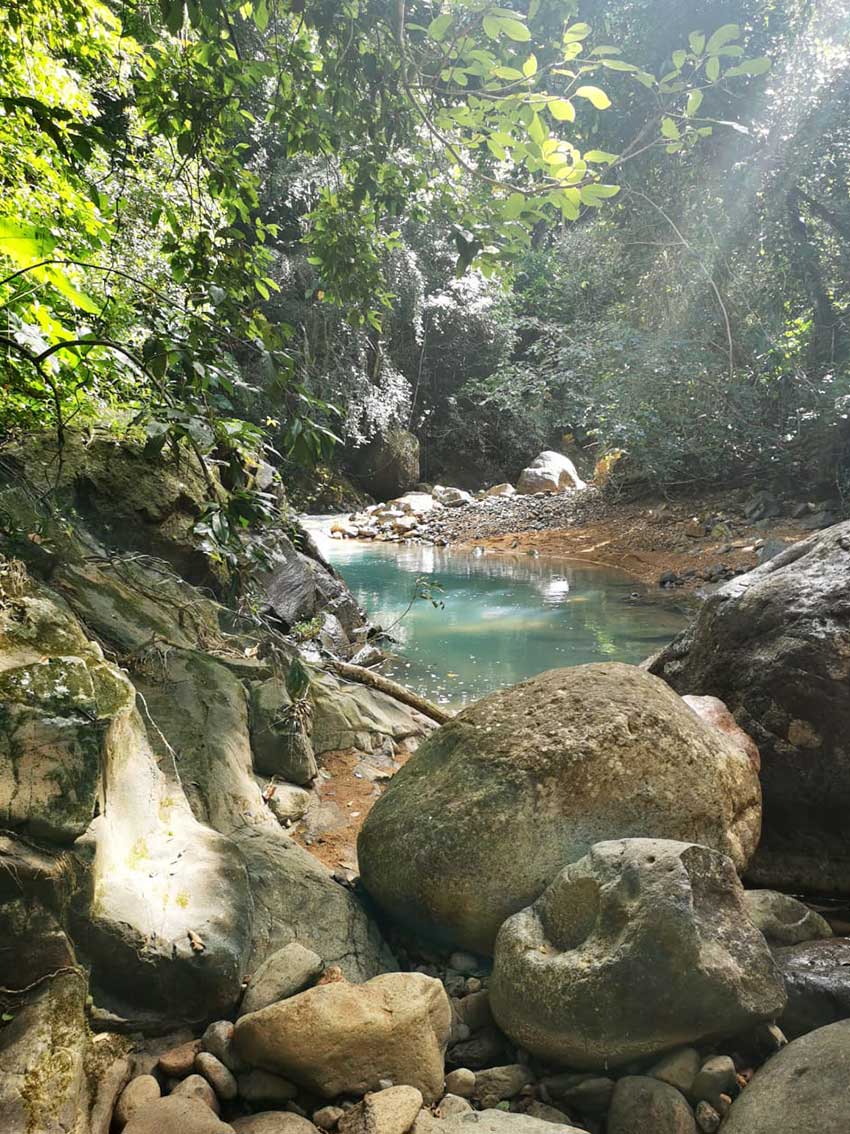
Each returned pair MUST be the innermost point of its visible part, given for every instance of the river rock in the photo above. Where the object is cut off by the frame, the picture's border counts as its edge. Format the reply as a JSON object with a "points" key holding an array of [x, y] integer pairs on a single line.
{"points": [[139, 1092], [343, 1038], [274, 1122], [217, 1075], [497, 1083], [549, 472], [176, 1115], [289, 803], [774, 645], [391, 1111], [178, 1061], [642, 1105], [715, 1077], [573, 975], [804, 1089], [494, 803], [285, 973], [200, 1089], [501, 490], [783, 920], [817, 979], [678, 1069], [389, 465], [461, 1082], [499, 1122]]}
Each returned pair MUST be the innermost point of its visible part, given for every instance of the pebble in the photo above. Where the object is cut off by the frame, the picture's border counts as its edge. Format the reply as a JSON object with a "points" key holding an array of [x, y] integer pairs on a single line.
{"points": [[496, 1084], [679, 1069], [196, 1087], [715, 1077], [218, 1041], [708, 1120], [474, 1010], [138, 1093], [327, 1117], [215, 1072], [461, 1082], [452, 1106], [178, 1062]]}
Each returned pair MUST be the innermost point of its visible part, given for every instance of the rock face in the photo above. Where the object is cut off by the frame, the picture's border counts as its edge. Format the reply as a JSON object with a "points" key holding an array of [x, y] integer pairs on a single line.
{"points": [[43, 1084], [389, 465], [549, 472], [343, 1038], [640, 947], [817, 980], [774, 644], [495, 802], [805, 1088]]}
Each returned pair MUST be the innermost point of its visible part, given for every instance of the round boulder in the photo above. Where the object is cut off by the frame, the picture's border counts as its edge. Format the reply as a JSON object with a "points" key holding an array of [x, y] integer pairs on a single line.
{"points": [[640, 947], [804, 1089], [495, 802]]}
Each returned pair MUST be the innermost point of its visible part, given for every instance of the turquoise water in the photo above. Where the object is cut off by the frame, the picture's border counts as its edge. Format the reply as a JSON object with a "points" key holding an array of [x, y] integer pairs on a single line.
{"points": [[504, 617]]}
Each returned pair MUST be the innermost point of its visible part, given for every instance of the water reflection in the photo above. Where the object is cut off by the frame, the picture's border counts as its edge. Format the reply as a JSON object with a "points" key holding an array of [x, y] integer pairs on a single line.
{"points": [[505, 618]]}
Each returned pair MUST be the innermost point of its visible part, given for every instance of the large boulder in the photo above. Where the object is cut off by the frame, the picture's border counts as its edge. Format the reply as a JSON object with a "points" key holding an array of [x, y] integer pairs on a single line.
{"points": [[774, 645], [640, 947], [389, 465], [500, 1122], [817, 980], [495, 802], [805, 1088], [341, 1038], [549, 472]]}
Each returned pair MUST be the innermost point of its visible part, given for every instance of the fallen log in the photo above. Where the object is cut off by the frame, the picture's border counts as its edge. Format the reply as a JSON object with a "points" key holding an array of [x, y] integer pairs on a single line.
{"points": [[392, 689]]}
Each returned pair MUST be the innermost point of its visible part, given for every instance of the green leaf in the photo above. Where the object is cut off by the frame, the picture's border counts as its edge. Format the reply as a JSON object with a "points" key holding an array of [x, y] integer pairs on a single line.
{"points": [[669, 129], [576, 32], [594, 195], [261, 15], [679, 58], [537, 131], [516, 31], [697, 41], [596, 96], [712, 69], [24, 243], [513, 206], [261, 288], [438, 27], [507, 73], [694, 102], [561, 109], [721, 37], [618, 65], [599, 155], [63, 285], [749, 67], [529, 67], [492, 26]]}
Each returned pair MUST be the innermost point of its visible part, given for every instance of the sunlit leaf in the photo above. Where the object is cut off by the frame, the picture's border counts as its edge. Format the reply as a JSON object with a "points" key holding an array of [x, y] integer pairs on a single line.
{"points": [[595, 95]]}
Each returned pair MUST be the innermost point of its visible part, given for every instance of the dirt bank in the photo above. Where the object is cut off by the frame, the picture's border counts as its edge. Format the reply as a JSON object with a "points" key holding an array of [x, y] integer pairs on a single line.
{"points": [[697, 541]]}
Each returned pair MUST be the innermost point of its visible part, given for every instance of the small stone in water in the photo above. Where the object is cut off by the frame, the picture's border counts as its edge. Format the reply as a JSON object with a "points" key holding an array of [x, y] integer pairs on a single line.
{"points": [[708, 1120]]}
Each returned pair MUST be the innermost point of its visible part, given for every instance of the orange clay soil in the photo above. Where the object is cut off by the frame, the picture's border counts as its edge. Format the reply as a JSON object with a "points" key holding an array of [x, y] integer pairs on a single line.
{"points": [[647, 539], [329, 829]]}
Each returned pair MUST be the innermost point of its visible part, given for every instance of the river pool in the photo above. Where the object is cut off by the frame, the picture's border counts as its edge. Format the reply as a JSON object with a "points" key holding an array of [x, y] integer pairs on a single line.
{"points": [[503, 617]]}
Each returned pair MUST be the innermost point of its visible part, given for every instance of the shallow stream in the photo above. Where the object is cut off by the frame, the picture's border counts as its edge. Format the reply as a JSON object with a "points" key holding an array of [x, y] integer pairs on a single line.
{"points": [[503, 617]]}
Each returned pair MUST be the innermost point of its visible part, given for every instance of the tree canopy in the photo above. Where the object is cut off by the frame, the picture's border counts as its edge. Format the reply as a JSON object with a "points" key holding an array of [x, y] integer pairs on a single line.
{"points": [[308, 220]]}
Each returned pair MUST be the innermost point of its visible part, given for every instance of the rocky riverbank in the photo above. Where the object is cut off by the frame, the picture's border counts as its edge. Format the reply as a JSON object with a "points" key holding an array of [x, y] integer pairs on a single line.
{"points": [[549, 920], [680, 544]]}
